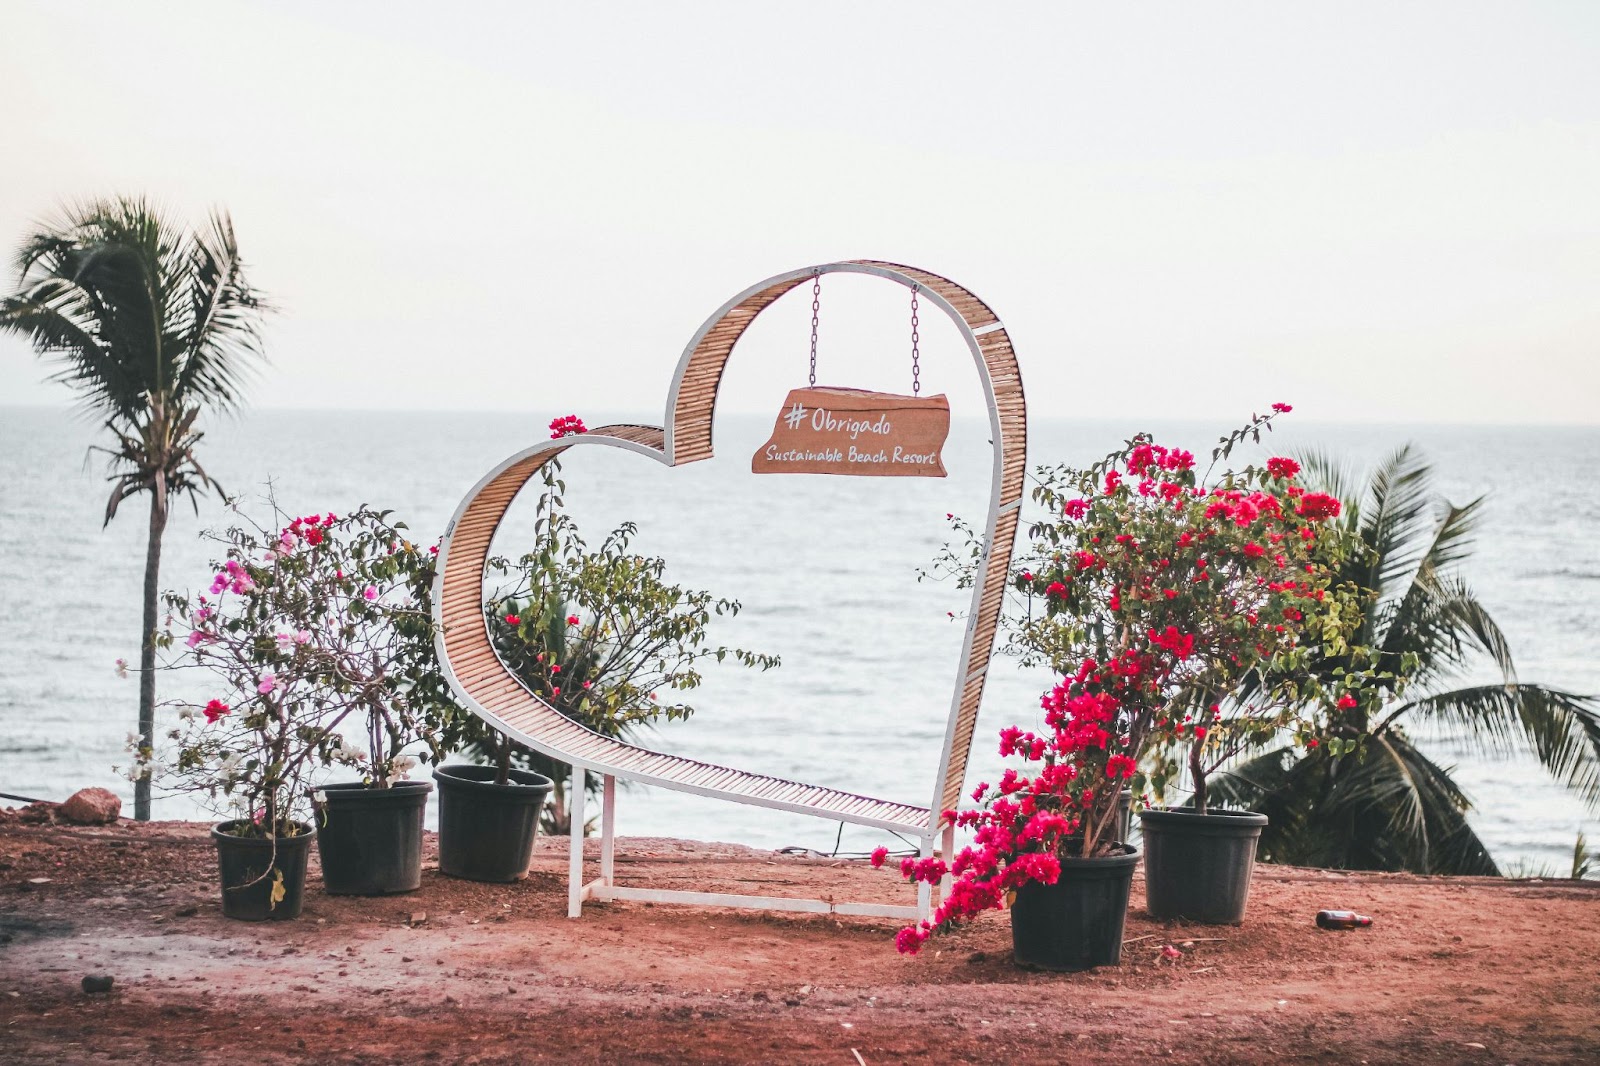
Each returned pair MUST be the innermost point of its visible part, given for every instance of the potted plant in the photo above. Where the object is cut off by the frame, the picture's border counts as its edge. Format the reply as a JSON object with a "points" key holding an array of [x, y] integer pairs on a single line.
{"points": [[599, 634], [363, 642], [324, 617], [1207, 587], [1046, 841], [253, 744], [1154, 594]]}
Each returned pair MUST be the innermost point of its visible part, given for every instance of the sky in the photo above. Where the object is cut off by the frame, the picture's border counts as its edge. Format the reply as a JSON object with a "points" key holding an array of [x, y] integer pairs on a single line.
{"points": [[1378, 212]]}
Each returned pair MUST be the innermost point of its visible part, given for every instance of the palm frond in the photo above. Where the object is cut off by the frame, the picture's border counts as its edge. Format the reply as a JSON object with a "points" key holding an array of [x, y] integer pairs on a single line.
{"points": [[133, 310], [1562, 728], [1442, 624], [1395, 511]]}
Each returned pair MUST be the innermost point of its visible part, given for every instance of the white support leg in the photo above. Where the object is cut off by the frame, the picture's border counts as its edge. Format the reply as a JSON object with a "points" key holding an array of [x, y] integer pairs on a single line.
{"points": [[924, 890], [947, 852], [575, 856], [608, 829]]}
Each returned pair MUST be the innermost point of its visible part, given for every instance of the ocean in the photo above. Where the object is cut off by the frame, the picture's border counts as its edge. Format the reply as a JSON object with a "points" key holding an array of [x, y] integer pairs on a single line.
{"points": [[826, 568]]}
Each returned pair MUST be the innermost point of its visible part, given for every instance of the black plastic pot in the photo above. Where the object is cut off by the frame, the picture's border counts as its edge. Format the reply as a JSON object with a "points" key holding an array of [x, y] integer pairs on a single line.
{"points": [[370, 839], [251, 866], [486, 830], [1197, 866], [1076, 923]]}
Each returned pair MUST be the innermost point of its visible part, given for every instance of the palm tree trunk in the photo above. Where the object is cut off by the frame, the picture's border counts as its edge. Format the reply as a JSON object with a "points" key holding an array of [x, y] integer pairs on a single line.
{"points": [[147, 649]]}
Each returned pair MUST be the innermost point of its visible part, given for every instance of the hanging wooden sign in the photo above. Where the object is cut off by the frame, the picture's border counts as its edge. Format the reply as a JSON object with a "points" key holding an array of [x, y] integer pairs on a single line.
{"points": [[853, 431]]}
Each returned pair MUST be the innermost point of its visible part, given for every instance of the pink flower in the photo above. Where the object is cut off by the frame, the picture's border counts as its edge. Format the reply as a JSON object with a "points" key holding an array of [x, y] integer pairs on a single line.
{"points": [[1282, 408], [566, 426], [878, 856], [269, 682], [370, 592]]}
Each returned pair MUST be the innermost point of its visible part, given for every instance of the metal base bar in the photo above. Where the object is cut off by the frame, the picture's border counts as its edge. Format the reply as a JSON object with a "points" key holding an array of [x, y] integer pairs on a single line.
{"points": [[924, 890], [598, 891], [608, 831], [947, 852], [575, 887]]}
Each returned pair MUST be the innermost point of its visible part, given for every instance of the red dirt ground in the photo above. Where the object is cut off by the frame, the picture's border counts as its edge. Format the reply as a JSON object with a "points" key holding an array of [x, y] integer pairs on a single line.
{"points": [[1453, 971]]}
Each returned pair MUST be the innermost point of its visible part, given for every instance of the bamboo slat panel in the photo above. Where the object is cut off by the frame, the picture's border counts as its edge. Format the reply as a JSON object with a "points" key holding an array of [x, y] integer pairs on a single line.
{"points": [[477, 668]]}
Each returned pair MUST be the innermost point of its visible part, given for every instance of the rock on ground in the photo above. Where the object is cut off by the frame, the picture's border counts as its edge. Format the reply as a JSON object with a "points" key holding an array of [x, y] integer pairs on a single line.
{"points": [[91, 806]]}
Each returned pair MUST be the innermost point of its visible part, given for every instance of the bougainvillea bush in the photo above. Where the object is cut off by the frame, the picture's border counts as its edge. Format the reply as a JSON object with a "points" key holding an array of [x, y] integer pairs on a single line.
{"points": [[307, 631], [1153, 592]]}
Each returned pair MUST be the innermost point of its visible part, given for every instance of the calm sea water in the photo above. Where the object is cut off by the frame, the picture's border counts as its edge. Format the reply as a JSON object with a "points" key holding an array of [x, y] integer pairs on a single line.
{"points": [[826, 569]]}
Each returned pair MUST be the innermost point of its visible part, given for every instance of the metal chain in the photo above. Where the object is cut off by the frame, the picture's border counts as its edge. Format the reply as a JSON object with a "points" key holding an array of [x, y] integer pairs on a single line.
{"points": [[916, 354], [816, 306]]}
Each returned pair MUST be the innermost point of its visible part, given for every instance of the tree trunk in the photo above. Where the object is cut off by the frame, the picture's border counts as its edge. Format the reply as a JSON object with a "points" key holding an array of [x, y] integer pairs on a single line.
{"points": [[147, 650], [1197, 774], [503, 761]]}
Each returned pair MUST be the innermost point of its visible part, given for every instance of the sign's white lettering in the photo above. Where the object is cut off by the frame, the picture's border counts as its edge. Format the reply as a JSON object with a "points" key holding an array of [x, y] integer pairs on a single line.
{"points": [[853, 431]]}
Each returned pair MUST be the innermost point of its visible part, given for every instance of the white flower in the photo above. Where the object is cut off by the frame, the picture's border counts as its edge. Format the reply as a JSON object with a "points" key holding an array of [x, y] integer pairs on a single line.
{"points": [[122, 669], [319, 796], [401, 765], [185, 714]]}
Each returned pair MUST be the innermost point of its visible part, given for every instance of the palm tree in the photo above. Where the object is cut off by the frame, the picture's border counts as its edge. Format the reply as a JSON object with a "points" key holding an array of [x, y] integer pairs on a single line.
{"points": [[151, 325], [1391, 807]]}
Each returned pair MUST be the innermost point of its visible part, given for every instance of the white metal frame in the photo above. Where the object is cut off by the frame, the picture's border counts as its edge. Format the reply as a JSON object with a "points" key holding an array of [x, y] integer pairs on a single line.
{"points": [[926, 831]]}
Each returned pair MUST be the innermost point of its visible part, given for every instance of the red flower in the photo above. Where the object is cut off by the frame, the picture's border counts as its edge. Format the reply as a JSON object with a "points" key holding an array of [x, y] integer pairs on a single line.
{"points": [[566, 426], [1113, 479], [1311, 743], [1255, 551], [1076, 508], [214, 710], [1347, 702], [1056, 589], [878, 855], [1281, 467], [556, 669], [513, 620], [572, 619], [1282, 408], [1317, 505]]}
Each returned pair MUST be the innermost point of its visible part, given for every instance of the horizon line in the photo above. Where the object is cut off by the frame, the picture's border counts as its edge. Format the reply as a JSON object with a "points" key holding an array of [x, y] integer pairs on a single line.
{"points": [[1098, 419]]}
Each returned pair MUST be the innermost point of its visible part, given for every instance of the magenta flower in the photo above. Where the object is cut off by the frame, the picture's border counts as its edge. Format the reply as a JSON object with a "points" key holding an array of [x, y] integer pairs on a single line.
{"points": [[370, 592]]}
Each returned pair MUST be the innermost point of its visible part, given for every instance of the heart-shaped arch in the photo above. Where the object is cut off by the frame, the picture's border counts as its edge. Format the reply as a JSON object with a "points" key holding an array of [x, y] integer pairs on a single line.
{"points": [[486, 686]]}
